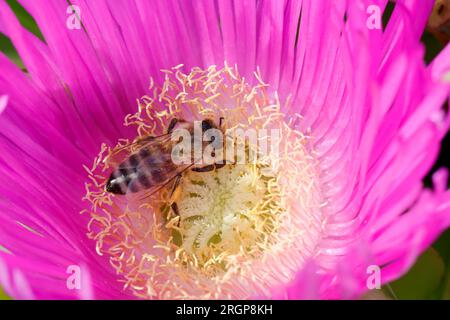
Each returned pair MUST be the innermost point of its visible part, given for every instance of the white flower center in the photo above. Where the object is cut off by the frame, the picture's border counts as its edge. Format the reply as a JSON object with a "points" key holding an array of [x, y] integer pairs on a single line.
{"points": [[224, 212]]}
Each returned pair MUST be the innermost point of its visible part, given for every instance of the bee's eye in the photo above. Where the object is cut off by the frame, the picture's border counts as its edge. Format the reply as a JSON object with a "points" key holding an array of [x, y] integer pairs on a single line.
{"points": [[206, 125]]}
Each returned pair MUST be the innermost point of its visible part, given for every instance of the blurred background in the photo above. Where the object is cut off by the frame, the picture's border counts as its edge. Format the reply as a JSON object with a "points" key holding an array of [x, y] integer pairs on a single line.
{"points": [[429, 278]]}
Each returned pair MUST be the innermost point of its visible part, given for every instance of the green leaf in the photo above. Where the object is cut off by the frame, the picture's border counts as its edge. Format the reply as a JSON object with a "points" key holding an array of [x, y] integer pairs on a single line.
{"points": [[446, 286], [3, 295], [423, 281], [7, 48], [442, 245], [25, 18], [28, 22]]}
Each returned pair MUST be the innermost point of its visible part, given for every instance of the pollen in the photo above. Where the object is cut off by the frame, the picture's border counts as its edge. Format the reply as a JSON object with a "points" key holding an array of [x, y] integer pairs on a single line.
{"points": [[240, 230]]}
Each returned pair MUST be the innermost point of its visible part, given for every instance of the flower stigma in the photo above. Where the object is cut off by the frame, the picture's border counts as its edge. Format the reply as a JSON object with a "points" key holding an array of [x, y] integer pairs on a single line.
{"points": [[222, 213]]}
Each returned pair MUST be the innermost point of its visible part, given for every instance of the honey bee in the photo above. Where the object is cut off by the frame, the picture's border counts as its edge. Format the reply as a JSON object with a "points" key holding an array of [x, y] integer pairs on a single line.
{"points": [[151, 167]]}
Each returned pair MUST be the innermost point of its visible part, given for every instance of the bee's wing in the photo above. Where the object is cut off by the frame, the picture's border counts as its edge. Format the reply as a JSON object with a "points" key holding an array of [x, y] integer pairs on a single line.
{"points": [[155, 169], [143, 142], [157, 187]]}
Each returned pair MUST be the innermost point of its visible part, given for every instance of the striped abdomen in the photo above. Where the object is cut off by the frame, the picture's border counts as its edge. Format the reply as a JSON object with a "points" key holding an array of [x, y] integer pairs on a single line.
{"points": [[150, 167]]}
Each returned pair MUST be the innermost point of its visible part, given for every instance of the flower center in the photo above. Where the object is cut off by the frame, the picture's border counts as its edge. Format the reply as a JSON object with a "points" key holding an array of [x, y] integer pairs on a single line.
{"points": [[225, 212], [238, 231]]}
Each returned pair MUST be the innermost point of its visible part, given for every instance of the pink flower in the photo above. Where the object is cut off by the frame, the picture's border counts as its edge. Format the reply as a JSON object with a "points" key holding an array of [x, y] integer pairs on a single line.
{"points": [[359, 107]]}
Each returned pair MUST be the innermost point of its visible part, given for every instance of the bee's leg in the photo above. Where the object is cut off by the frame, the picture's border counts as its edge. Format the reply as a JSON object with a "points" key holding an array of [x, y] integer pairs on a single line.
{"points": [[220, 165], [223, 164], [210, 167], [146, 139], [172, 125], [207, 168], [174, 195], [175, 210]]}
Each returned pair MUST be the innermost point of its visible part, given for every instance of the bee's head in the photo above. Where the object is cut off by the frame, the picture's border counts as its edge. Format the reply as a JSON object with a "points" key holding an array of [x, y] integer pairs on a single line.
{"points": [[213, 136], [208, 124]]}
